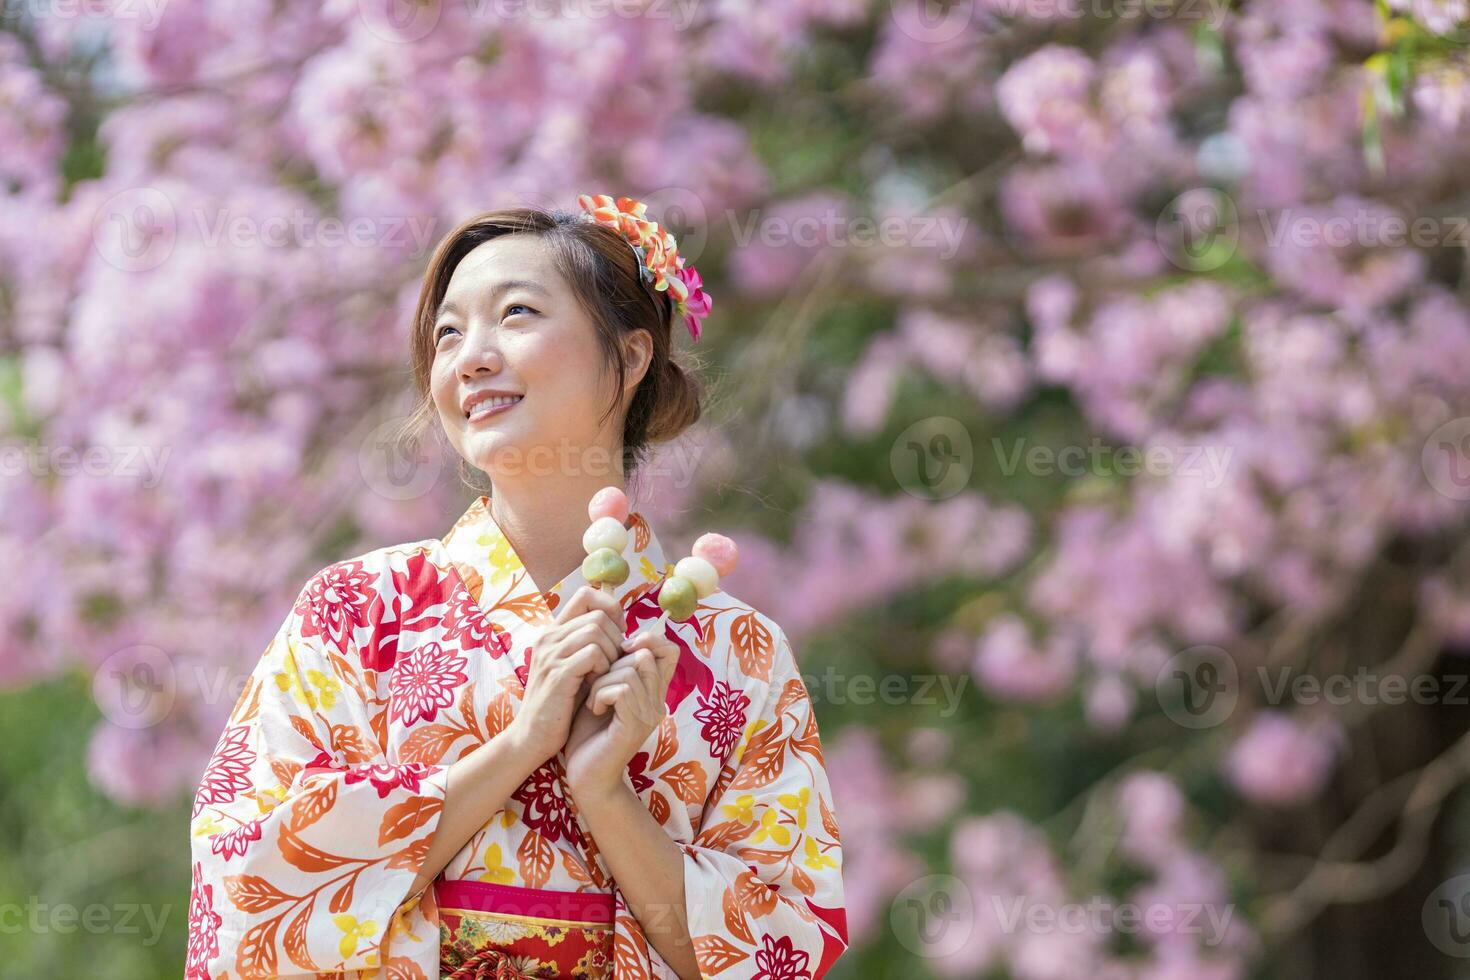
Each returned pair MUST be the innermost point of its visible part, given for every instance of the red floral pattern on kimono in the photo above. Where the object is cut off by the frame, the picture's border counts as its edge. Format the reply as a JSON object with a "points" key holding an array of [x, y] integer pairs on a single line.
{"points": [[324, 792]]}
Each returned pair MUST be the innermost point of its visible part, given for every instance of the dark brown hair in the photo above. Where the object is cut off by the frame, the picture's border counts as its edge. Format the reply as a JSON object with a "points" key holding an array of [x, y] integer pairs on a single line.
{"points": [[603, 271]]}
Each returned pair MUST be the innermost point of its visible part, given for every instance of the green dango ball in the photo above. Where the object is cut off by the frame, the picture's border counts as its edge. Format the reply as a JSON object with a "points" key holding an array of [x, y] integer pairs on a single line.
{"points": [[605, 567], [677, 598]]}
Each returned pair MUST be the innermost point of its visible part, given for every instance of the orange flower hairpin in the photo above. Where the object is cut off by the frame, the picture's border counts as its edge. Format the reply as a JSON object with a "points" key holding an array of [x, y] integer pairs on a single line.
{"points": [[658, 254]]}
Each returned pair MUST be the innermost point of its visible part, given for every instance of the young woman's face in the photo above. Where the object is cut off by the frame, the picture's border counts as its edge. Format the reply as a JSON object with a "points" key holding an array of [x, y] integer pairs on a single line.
{"points": [[519, 380]]}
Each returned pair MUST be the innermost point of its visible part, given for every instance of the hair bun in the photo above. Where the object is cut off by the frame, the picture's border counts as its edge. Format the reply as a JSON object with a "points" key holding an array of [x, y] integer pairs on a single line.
{"points": [[676, 403]]}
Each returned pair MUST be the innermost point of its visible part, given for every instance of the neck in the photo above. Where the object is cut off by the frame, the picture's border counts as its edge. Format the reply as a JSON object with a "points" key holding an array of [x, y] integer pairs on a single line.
{"points": [[544, 519]]}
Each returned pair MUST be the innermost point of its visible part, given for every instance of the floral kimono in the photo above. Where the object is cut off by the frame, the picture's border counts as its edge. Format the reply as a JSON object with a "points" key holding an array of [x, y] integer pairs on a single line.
{"points": [[318, 806]]}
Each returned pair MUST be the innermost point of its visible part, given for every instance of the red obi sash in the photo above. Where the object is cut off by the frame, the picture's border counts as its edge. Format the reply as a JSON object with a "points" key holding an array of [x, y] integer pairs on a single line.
{"points": [[508, 932]]}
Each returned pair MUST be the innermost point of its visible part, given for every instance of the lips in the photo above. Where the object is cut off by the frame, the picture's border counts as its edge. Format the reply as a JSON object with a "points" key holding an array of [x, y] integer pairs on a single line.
{"points": [[483, 403]]}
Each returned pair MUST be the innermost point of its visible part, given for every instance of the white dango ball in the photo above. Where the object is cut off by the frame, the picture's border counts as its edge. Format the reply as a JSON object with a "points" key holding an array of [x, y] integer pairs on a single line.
{"points": [[700, 573], [605, 532]]}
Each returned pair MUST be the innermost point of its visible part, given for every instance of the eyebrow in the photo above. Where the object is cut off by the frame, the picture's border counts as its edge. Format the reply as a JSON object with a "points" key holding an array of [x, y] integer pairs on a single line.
{"points": [[448, 306]]}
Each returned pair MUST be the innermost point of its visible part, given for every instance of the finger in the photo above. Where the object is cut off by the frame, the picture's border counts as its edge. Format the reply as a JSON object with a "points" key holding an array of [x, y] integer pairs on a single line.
{"points": [[586, 665], [588, 599], [646, 665], [594, 630], [608, 697]]}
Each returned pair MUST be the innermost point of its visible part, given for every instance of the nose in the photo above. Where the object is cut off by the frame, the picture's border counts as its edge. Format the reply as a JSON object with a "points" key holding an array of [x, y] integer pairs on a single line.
{"points": [[479, 355]]}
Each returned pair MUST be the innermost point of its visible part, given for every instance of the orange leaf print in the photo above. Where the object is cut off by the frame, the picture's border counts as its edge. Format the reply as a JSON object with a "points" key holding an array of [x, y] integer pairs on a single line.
{"points": [[535, 858], [720, 836], [704, 641], [628, 959], [411, 857], [753, 895], [249, 704], [637, 593], [687, 780], [252, 893], [793, 692], [810, 742], [499, 715], [311, 806], [285, 772], [380, 726], [735, 920], [803, 881], [428, 743], [715, 954], [257, 955], [467, 707], [659, 807], [668, 742], [473, 583], [829, 820], [305, 856], [304, 729], [755, 648], [762, 856], [402, 968], [295, 940], [641, 531], [763, 761], [342, 898], [575, 867], [531, 608], [354, 746], [408, 816]]}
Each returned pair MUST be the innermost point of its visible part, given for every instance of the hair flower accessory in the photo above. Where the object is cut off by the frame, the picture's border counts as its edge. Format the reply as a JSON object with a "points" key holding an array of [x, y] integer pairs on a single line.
{"points": [[659, 260]]}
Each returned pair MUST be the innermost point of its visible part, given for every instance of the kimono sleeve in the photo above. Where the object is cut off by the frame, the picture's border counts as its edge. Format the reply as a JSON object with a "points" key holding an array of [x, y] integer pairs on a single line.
{"points": [[763, 878], [306, 839]]}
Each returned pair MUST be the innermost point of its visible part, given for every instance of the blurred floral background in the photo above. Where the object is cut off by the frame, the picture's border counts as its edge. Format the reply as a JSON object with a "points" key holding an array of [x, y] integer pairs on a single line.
{"points": [[1090, 400]]}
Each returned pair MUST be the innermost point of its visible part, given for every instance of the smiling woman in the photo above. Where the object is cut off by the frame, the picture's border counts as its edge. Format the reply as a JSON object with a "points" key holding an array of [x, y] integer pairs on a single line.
{"points": [[442, 766]]}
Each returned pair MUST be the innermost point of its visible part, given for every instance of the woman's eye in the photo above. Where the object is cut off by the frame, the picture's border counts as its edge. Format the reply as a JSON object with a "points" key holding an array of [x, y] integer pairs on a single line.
{"points": [[517, 306], [442, 332]]}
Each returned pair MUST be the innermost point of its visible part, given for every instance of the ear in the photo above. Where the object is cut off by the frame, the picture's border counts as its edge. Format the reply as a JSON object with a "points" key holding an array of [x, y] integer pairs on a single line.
{"points": [[637, 355]]}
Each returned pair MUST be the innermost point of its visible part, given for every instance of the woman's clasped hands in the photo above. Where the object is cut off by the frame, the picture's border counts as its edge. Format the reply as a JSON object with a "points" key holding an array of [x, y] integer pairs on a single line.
{"points": [[594, 693]]}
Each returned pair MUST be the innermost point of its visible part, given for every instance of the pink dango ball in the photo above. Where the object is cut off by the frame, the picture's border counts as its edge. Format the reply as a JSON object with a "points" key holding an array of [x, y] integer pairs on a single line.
{"points": [[718, 550], [608, 502]]}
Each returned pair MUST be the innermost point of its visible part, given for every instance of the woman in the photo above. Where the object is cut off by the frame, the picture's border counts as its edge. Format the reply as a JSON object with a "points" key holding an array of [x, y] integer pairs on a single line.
{"points": [[440, 765]]}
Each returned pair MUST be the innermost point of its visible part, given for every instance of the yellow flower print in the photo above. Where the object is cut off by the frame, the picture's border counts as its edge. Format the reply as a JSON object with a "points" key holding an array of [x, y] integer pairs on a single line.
{"points": [[500, 557], [796, 802], [743, 810], [815, 859], [269, 799], [771, 828], [751, 731], [321, 690], [352, 931], [495, 869], [207, 826], [327, 688]]}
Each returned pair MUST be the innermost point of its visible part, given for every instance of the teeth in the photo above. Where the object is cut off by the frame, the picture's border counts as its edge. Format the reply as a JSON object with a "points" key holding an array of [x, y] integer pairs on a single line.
{"points": [[493, 402]]}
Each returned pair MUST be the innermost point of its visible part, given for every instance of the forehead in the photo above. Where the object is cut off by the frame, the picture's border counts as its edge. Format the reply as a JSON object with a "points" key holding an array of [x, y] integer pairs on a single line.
{"points": [[501, 259]]}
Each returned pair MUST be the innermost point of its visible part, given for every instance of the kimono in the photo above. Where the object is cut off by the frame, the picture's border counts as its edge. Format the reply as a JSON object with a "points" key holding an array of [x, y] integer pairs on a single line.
{"points": [[324, 791]]}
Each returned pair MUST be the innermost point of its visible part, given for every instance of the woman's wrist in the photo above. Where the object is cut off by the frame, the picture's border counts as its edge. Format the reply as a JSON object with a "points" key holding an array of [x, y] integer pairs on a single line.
{"points": [[598, 789], [520, 745]]}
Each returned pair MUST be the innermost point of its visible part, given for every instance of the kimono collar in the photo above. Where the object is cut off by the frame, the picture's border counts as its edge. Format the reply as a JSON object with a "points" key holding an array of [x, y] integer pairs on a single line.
{"points": [[478, 542]]}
